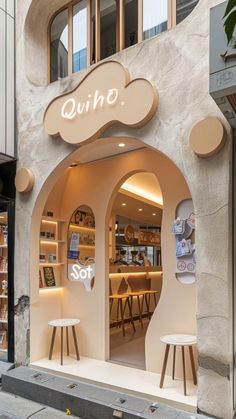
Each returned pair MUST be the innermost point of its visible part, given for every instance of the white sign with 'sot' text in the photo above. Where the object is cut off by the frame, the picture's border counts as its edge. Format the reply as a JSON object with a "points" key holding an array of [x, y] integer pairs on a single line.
{"points": [[84, 273]]}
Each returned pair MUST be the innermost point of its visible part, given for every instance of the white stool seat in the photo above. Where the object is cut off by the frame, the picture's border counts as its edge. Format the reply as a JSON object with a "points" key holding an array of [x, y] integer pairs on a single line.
{"points": [[63, 322], [179, 340]]}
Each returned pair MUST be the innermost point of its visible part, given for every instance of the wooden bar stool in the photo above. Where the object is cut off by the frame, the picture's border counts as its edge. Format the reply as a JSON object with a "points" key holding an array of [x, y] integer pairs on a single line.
{"points": [[64, 323], [121, 308], [182, 341]]}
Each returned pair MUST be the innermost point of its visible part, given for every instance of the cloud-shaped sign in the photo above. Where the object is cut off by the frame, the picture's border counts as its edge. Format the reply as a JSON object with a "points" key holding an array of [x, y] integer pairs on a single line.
{"points": [[104, 97]]}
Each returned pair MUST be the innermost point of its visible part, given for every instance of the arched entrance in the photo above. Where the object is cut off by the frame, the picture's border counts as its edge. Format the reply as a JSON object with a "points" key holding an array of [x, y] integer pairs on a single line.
{"points": [[88, 183]]}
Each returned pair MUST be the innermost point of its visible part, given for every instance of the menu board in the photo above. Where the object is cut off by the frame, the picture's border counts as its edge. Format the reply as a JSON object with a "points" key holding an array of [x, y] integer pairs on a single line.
{"points": [[49, 276]]}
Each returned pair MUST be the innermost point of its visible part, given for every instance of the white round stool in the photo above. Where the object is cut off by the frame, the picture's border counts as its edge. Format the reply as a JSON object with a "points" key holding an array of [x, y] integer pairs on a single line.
{"points": [[64, 323], [179, 340]]}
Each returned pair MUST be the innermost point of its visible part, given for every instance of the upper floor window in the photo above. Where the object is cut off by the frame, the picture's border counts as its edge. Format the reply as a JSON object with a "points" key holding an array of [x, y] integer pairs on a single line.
{"points": [[87, 31]]}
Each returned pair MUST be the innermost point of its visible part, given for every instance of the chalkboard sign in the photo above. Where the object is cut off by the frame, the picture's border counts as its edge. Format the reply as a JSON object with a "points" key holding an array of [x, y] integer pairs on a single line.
{"points": [[49, 276]]}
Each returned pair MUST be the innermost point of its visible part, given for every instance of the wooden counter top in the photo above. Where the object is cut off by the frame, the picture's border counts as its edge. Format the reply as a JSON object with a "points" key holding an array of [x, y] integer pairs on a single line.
{"points": [[116, 269]]}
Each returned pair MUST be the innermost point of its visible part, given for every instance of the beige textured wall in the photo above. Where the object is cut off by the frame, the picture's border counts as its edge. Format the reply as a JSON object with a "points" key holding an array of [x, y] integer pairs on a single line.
{"points": [[177, 63]]}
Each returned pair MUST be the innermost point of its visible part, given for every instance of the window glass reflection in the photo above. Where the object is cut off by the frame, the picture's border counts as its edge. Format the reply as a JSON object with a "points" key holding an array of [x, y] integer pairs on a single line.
{"points": [[79, 36], [154, 17], [131, 22], [59, 46], [184, 8], [108, 16]]}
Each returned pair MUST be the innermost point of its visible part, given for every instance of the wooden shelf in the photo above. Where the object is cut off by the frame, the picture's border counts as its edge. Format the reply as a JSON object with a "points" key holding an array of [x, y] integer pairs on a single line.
{"points": [[3, 296], [3, 246], [52, 219], [50, 264], [51, 288], [3, 321], [3, 272], [82, 228], [47, 241], [86, 246]]}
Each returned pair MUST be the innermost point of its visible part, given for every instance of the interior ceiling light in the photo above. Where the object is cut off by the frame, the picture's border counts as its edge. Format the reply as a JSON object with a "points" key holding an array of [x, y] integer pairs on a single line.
{"points": [[142, 192], [140, 209], [121, 145], [123, 204], [154, 213]]}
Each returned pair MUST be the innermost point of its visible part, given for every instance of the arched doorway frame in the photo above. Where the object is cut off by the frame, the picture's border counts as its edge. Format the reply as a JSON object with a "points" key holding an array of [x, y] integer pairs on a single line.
{"points": [[51, 180]]}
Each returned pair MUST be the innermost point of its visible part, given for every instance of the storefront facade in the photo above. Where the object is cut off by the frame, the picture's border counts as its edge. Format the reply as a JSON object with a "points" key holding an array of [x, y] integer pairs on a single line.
{"points": [[155, 130]]}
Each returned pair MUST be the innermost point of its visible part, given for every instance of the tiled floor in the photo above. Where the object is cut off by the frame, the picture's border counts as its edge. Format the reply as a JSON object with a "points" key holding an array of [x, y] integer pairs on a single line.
{"points": [[128, 350], [142, 383]]}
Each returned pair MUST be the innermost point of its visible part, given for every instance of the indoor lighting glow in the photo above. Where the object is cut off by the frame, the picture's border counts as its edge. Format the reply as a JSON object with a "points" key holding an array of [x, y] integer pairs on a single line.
{"points": [[141, 192], [154, 214], [140, 209], [48, 242], [121, 145], [124, 204], [117, 274], [48, 222], [49, 289], [89, 229]]}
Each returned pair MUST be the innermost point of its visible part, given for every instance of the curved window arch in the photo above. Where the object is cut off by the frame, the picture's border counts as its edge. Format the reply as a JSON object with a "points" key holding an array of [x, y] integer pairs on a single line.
{"points": [[87, 31]]}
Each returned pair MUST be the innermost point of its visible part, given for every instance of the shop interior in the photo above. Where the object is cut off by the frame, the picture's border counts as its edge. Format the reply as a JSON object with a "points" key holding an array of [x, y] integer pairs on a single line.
{"points": [[121, 226], [135, 273]]}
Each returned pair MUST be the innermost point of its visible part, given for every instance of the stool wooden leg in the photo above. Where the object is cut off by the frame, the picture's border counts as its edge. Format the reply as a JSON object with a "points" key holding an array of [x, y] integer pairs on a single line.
{"points": [[192, 365], [111, 304], [173, 370], [184, 373], [164, 365], [52, 342], [117, 312], [67, 341], [140, 311], [131, 315], [122, 316], [147, 305], [61, 345], [75, 342]]}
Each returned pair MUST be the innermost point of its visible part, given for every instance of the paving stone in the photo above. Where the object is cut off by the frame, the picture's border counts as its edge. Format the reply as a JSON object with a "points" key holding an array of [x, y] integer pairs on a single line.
{"points": [[47, 412], [16, 406]]}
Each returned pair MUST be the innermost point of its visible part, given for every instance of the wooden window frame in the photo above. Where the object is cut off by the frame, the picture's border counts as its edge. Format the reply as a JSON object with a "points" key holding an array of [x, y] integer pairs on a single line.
{"points": [[120, 29]]}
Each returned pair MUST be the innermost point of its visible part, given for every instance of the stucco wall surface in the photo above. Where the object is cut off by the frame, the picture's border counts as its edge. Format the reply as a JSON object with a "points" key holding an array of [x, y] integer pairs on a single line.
{"points": [[177, 64]]}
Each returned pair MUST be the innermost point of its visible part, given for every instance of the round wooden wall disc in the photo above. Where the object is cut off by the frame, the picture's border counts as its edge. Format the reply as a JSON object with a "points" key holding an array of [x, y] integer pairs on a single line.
{"points": [[24, 180], [207, 137]]}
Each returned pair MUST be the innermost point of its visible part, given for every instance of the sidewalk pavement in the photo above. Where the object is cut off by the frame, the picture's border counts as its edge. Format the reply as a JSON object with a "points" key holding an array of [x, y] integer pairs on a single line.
{"points": [[14, 407]]}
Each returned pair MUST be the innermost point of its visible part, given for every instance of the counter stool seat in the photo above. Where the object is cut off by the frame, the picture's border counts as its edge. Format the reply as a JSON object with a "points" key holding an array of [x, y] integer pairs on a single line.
{"points": [[182, 341], [64, 323]]}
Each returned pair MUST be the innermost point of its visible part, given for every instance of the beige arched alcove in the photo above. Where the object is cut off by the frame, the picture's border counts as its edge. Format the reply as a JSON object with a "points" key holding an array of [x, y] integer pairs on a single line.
{"points": [[96, 184]]}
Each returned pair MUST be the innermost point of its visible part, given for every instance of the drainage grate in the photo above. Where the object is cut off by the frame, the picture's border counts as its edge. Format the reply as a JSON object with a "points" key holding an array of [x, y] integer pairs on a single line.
{"points": [[73, 385], [121, 400], [153, 408]]}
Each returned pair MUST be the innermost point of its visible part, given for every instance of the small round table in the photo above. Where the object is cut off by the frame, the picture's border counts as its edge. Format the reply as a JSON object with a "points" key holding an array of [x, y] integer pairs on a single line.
{"points": [[64, 323], [179, 340]]}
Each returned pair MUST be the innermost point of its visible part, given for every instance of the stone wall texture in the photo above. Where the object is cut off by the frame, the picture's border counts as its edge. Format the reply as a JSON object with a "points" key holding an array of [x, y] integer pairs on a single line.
{"points": [[176, 62]]}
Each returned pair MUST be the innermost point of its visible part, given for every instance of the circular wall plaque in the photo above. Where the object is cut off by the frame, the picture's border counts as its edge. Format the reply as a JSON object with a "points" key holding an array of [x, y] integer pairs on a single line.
{"points": [[24, 180], [207, 137], [129, 233]]}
